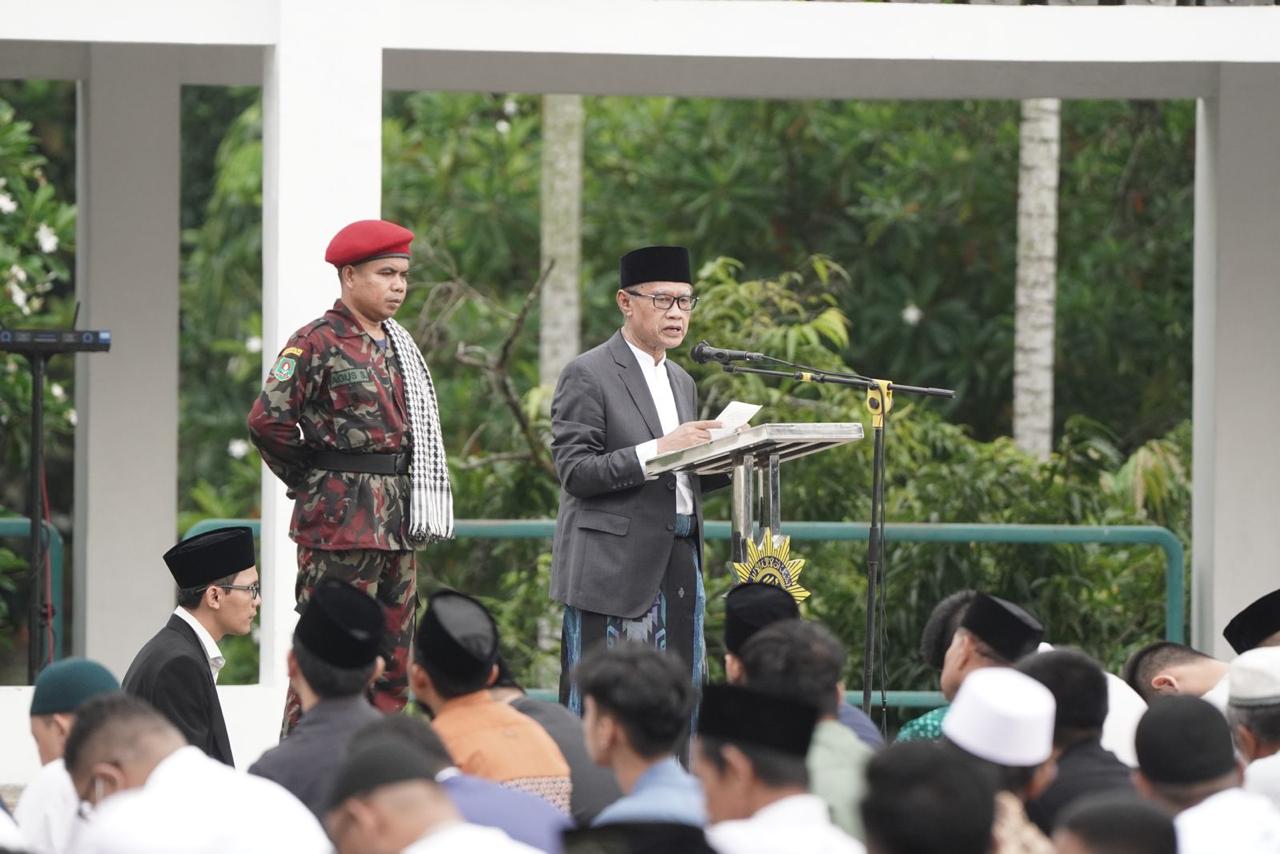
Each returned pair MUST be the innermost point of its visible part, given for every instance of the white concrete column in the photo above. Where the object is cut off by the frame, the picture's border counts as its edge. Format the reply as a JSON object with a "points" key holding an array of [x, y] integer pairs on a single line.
{"points": [[126, 472], [322, 168], [1236, 406]]}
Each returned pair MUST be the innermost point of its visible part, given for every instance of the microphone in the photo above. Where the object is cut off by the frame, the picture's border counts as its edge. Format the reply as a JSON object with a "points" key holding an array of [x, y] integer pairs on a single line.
{"points": [[703, 352]]}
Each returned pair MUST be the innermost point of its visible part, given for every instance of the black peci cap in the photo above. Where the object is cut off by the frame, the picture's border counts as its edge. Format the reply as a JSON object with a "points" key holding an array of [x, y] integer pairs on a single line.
{"points": [[1259, 621], [1005, 627], [741, 715], [207, 557], [654, 264], [458, 635], [341, 625], [750, 607]]}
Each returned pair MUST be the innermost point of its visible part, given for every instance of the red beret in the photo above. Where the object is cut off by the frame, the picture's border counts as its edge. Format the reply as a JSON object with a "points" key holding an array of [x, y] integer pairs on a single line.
{"points": [[368, 239]]}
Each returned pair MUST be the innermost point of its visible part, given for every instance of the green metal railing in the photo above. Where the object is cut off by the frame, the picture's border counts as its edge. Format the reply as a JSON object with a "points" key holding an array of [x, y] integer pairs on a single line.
{"points": [[19, 527], [1162, 538]]}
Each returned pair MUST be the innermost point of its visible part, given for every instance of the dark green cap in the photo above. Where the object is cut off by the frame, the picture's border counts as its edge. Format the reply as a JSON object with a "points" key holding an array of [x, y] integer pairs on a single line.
{"points": [[65, 684]]}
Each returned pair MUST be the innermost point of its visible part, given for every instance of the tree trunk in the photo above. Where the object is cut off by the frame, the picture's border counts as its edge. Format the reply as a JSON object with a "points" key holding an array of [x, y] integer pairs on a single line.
{"points": [[1036, 289], [559, 338]]}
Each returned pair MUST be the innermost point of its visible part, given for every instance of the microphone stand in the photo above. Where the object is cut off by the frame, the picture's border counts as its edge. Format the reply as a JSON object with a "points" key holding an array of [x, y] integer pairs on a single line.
{"points": [[879, 403]]}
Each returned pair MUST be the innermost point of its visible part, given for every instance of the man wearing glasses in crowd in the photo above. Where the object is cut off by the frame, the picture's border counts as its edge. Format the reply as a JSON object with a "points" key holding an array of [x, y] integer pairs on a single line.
{"points": [[627, 551], [177, 670]]}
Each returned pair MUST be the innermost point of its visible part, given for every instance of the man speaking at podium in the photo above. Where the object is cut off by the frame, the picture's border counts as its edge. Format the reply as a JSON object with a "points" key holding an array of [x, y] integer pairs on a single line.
{"points": [[626, 561]]}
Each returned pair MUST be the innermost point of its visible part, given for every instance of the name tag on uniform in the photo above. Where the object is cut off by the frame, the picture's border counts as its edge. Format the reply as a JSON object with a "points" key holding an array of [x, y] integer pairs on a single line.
{"points": [[349, 376]]}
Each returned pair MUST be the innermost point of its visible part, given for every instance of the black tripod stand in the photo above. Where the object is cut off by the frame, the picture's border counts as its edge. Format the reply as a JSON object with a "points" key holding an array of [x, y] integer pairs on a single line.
{"points": [[39, 346], [879, 403]]}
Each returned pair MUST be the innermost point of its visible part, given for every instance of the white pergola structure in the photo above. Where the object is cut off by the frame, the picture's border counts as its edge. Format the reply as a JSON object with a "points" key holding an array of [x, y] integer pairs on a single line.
{"points": [[324, 64]]}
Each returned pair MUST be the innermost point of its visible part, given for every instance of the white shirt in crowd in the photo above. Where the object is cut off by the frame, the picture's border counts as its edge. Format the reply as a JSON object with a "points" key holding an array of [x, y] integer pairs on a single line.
{"points": [[468, 839], [10, 836], [1219, 694], [1233, 821], [207, 642], [665, 401], [1262, 777], [795, 823], [192, 804], [46, 811]]}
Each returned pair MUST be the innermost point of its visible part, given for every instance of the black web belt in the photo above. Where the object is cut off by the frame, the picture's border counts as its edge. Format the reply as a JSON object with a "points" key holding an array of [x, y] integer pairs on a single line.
{"points": [[397, 463]]}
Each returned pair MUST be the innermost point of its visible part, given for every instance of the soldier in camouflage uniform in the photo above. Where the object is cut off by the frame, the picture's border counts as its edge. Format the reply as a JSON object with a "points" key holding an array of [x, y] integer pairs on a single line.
{"points": [[332, 423]]}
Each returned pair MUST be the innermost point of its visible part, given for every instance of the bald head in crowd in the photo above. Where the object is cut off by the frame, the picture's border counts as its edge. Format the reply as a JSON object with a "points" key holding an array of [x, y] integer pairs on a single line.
{"points": [[1165, 668], [1106, 824], [911, 781], [117, 741]]}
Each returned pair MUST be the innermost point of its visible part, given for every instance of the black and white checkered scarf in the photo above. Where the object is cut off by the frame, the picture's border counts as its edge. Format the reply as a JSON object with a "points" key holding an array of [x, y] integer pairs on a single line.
{"points": [[430, 497]]}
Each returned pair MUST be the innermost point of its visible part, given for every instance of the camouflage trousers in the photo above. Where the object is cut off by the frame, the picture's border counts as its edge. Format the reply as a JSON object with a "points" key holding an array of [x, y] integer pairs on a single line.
{"points": [[391, 578]]}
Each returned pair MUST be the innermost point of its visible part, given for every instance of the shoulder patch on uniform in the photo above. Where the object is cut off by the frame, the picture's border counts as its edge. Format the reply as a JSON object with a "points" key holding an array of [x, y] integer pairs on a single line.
{"points": [[284, 368], [348, 377], [291, 351]]}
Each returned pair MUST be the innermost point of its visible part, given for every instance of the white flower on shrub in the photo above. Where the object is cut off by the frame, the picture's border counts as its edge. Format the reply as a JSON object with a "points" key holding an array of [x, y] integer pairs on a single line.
{"points": [[502, 126], [17, 273], [510, 107], [253, 344], [71, 417], [238, 448], [46, 238], [58, 392], [7, 204], [912, 314], [19, 296]]}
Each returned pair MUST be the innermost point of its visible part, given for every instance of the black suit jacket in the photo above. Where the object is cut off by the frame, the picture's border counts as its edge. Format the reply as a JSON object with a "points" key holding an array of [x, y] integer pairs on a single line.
{"points": [[614, 529], [171, 672]]}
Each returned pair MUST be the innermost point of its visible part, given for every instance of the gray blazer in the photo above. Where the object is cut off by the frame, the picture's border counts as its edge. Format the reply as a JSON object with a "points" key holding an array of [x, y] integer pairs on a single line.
{"points": [[614, 530]]}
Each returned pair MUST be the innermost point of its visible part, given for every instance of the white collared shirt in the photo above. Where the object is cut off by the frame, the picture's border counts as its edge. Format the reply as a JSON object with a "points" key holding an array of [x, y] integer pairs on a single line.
{"points": [[1232, 820], [794, 823], [157, 818], [46, 811], [210, 646], [664, 400]]}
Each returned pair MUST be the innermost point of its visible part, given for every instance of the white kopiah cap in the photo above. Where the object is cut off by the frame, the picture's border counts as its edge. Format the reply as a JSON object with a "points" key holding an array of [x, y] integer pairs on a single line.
{"points": [[1254, 678], [1002, 716]]}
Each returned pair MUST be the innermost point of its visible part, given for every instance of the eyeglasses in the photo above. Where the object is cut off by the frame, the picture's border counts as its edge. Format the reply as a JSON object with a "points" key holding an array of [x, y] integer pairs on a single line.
{"points": [[255, 589], [662, 302]]}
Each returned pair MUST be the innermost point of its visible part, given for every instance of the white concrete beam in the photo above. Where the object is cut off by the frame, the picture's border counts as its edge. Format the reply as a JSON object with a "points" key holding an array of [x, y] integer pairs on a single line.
{"points": [[126, 400], [1236, 515], [777, 29], [245, 22]]}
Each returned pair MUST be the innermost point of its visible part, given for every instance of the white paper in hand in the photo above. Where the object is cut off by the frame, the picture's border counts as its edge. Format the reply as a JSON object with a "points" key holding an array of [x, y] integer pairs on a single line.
{"points": [[737, 414]]}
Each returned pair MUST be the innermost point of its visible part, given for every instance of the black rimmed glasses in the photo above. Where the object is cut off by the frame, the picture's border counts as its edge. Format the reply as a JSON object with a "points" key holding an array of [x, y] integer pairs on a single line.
{"points": [[663, 302], [254, 589]]}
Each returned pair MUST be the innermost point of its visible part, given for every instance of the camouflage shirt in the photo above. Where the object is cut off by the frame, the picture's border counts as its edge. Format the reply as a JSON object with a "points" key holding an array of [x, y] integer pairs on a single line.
{"points": [[334, 388]]}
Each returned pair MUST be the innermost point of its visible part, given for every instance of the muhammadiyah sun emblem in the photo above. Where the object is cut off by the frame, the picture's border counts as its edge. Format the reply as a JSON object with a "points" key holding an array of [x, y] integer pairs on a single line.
{"points": [[771, 563]]}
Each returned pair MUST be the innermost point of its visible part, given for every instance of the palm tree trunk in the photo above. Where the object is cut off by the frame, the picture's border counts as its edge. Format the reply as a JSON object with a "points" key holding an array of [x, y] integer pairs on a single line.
{"points": [[1036, 288], [559, 338]]}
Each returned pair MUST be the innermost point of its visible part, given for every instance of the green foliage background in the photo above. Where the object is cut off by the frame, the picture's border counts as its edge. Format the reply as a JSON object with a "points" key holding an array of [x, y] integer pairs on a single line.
{"points": [[841, 216]]}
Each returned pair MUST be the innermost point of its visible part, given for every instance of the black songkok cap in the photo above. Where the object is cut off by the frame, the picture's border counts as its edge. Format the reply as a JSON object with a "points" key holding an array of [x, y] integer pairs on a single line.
{"points": [[1009, 630], [1183, 739], [741, 715], [654, 264], [341, 625], [1254, 624], [649, 837], [375, 762], [458, 635], [205, 558], [750, 607]]}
